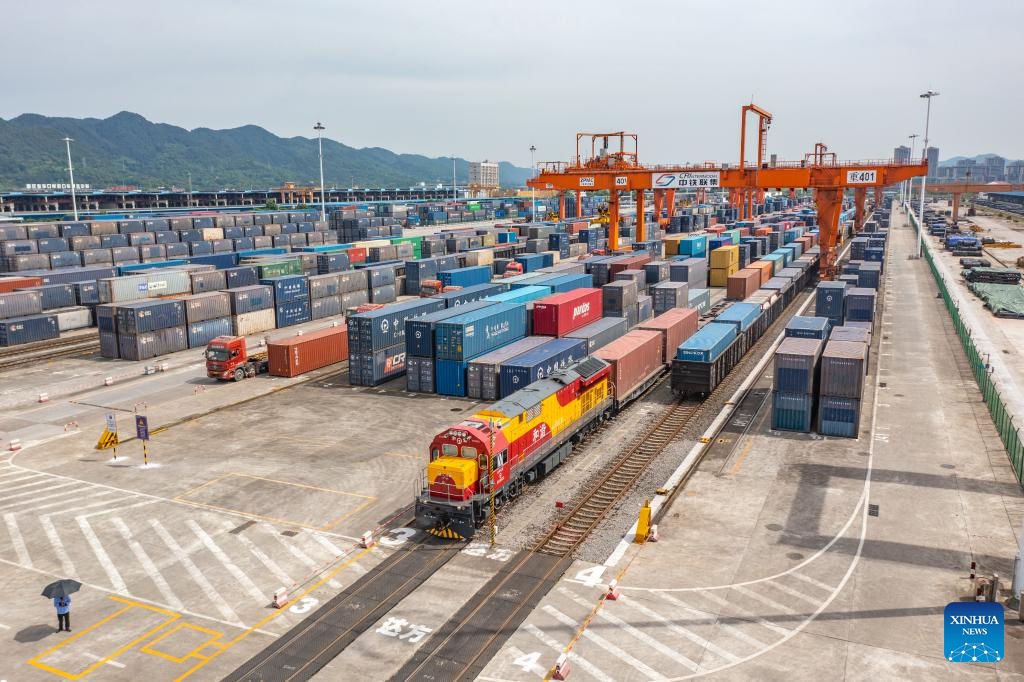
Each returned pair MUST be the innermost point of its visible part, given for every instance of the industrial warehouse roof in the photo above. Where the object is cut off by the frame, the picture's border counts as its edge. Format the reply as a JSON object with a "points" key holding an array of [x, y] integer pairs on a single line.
{"points": [[1007, 194]]}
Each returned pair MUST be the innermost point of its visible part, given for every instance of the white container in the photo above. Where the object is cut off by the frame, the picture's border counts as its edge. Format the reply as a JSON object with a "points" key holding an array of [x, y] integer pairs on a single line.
{"points": [[69, 319], [255, 322]]}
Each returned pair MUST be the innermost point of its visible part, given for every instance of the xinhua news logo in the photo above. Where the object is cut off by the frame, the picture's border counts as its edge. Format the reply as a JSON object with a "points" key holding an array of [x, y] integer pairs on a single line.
{"points": [[973, 632]]}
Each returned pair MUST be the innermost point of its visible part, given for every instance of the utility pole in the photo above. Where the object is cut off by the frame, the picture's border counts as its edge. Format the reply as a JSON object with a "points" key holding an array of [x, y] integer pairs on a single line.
{"points": [[71, 174], [190, 189], [490, 480], [533, 190], [924, 181], [319, 128], [909, 184], [455, 195]]}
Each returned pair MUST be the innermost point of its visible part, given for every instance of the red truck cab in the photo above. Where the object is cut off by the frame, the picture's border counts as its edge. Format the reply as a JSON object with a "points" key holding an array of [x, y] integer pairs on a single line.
{"points": [[227, 359]]}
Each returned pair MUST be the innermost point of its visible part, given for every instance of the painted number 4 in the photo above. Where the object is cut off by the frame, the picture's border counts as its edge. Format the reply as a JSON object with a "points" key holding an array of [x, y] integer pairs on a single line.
{"points": [[527, 661], [591, 577]]}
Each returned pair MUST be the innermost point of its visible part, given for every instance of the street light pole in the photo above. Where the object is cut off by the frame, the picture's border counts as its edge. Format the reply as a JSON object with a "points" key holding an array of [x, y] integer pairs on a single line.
{"points": [[533, 190], [319, 128], [455, 193], [190, 189], [71, 174], [924, 181], [909, 184]]}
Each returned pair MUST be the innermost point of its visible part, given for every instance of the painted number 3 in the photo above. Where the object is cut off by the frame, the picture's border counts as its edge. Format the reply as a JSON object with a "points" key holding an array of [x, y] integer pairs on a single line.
{"points": [[304, 605], [399, 536]]}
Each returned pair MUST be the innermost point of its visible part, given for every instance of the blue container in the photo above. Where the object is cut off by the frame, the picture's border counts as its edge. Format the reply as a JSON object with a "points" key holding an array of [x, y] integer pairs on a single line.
{"points": [[176, 250], [802, 327], [695, 246], [465, 277], [419, 331], [288, 288], [466, 336], [469, 294], [531, 261], [217, 260], [65, 259], [129, 268], [86, 293], [830, 301], [600, 333], [708, 343], [563, 283], [200, 333], [56, 295], [792, 411], [137, 317], [241, 276], [797, 365], [787, 257], [29, 329], [559, 241], [200, 248], [52, 245], [540, 362], [869, 277], [332, 262], [874, 255], [250, 299], [292, 312], [839, 416], [450, 377], [860, 304], [522, 294], [261, 252], [111, 241], [383, 328], [740, 314]]}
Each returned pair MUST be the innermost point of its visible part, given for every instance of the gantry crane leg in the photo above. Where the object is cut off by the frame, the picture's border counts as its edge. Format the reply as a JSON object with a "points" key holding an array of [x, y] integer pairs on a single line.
{"points": [[829, 203], [613, 221], [641, 227], [860, 198]]}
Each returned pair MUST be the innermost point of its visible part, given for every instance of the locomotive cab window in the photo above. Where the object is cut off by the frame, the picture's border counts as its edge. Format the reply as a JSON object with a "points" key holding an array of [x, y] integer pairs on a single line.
{"points": [[469, 452], [450, 450], [434, 454]]}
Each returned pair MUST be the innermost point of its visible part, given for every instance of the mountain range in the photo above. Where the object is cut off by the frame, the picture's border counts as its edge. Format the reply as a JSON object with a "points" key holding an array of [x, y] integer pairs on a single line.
{"points": [[127, 149]]}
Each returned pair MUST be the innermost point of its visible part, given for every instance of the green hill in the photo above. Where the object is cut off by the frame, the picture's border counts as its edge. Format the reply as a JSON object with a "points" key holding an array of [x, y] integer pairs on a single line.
{"points": [[128, 149]]}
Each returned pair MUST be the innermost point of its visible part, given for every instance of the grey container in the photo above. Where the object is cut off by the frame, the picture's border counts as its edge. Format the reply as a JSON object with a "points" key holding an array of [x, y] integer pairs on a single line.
{"points": [[241, 276], [693, 271], [644, 308], [327, 306], [668, 295], [28, 261], [86, 293], [210, 280], [632, 275], [142, 239], [384, 294], [125, 254], [65, 259], [376, 367], [43, 231], [322, 286], [657, 271], [200, 333], [843, 366], [55, 295], [482, 373], [152, 344], [354, 299], [860, 304], [250, 299], [52, 245], [796, 365], [353, 280], [601, 333], [208, 306], [18, 247], [137, 317], [85, 242], [381, 276], [20, 304], [848, 333], [108, 345], [113, 241], [619, 296], [97, 257]]}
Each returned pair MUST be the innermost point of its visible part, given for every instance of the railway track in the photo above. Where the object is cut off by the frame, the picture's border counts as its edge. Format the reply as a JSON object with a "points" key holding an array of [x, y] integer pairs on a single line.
{"points": [[43, 351]]}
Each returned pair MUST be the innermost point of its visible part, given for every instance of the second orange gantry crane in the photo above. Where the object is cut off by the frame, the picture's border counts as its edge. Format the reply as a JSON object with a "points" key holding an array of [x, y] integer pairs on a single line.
{"points": [[619, 170]]}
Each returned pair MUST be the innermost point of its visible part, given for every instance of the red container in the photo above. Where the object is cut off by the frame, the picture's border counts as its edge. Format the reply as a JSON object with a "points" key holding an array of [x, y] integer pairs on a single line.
{"points": [[635, 357], [9, 284], [742, 284], [630, 263], [675, 326], [762, 231], [357, 254], [300, 354], [715, 230], [560, 314], [805, 243], [744, 231]]}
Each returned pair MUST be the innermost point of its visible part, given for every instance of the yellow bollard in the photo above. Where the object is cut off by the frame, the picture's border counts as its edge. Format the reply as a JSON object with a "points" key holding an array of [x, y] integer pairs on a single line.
{"points": [[643, 525]]}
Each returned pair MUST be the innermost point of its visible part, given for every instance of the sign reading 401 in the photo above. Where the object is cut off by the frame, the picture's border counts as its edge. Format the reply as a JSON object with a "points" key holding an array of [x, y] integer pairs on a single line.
{"points": [[862, 177]]}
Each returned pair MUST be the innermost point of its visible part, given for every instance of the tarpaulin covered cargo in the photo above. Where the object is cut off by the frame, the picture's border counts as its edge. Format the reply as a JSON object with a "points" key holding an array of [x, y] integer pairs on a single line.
{"points": [[559, 314], [524, 369], [675, 325], [708, 343], [635, 358], [797, 362], [295, 355]]}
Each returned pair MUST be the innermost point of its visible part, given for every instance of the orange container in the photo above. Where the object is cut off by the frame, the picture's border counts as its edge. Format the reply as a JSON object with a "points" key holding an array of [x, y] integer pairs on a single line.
{"points": [[716, 230], [9, 284], [300, 354], [762, 231], [742, 284], [675, 325], [765, 268]]}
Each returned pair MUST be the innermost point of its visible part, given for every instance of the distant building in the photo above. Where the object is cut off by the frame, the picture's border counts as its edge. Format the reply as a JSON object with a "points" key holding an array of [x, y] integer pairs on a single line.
{"points": [[483, 174], [933, 161], [1015, 172], [901, 154], [965, 169], [992, 168]]}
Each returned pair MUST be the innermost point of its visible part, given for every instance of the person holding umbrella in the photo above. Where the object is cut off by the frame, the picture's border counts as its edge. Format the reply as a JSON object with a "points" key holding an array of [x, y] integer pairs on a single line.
{"points": [[60, 591]]}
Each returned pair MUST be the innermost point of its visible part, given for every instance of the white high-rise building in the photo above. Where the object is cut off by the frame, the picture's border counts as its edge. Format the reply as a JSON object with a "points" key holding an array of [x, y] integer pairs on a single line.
{"points": [[483, 174]]}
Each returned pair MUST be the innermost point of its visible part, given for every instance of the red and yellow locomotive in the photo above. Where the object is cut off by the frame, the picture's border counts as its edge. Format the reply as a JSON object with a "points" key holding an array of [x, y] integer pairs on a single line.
{"points": [[523, 437]]}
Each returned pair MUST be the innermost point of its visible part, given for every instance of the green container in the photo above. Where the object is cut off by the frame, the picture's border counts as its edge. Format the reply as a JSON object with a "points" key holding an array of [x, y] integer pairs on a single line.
{"points": [[292, 266]]}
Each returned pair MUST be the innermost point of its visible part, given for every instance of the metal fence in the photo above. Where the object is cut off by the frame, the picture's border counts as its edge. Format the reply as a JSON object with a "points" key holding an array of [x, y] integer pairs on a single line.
{"points": [[1003, 420]]}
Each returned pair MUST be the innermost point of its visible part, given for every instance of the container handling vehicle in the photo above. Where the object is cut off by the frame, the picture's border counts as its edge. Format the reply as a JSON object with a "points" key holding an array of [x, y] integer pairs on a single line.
{"points": [[228, 360]]}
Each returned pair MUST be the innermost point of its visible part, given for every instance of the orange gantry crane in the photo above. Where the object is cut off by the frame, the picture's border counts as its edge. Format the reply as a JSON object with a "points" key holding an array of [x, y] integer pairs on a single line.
{"points": [[958, 189], [617, 171]]}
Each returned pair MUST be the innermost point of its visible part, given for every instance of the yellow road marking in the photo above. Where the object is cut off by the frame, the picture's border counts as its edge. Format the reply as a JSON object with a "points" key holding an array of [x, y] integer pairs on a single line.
{"points": [[739, 460], [36, 660], [194, 653]]}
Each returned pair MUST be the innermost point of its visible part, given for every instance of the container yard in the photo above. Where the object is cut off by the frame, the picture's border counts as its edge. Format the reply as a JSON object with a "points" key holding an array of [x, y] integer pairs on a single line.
{"points": [[572, 407]]}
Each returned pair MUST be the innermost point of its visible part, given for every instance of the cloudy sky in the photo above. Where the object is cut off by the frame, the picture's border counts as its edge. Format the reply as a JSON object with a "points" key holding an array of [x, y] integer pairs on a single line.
{"points": [[485, 79]]}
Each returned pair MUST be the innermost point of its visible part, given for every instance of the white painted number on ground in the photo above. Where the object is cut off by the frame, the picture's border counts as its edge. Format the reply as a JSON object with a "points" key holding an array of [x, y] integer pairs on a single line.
{"points": [[401, 536], [882, 437], [394, 627], [304, 605], [527, 661], [483, 549], [591, 577]]}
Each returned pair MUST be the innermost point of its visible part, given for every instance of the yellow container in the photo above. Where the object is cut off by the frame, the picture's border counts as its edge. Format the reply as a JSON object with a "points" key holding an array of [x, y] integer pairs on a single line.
{"points": [[725, 256], [719, 277], [672, 243]]}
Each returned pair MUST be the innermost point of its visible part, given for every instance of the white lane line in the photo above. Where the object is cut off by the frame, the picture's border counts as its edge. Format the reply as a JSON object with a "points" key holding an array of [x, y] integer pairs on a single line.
{"points": [[795, 593], [333, 549], [17, 540], [732, 630], [606, 645], [27, 509], [679, 630], [811, 581], [97, 547], [299, 554], [113, 509], [625, 626], [196, 574], [271, 565], [752, 616], [18, 478], [147, 564], [108, 661], [4, 627], [58, 546], [237, 573], [32, 492], [766, 600], [583, 663]]}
